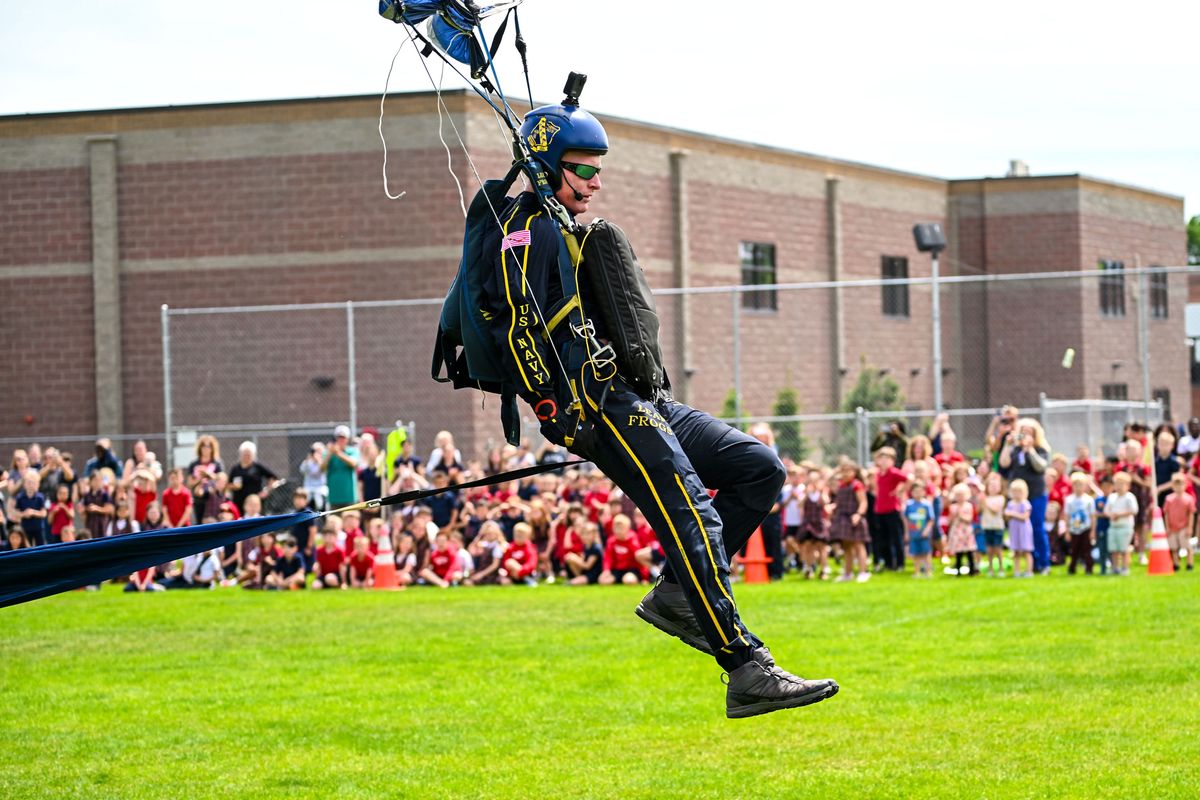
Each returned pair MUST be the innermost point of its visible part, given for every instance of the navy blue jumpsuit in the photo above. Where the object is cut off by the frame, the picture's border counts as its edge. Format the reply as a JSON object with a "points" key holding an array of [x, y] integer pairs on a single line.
{"points": [[661, 453]]}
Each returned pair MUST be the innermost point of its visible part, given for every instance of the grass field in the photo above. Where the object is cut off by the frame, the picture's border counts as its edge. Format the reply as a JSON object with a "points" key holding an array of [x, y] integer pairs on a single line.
{"points": [[951, 688]]}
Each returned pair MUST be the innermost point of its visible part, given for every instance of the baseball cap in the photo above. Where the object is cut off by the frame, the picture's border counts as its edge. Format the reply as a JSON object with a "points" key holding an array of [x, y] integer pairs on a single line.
{"points": [[341, 430]]}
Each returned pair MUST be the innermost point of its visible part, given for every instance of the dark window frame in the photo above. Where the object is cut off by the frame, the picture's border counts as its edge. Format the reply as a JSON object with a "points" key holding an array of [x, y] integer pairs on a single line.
{"points": [[1163, 395], [1112, 288], [1160, 307], [895, 296], [759, 267], [1114, 391]]}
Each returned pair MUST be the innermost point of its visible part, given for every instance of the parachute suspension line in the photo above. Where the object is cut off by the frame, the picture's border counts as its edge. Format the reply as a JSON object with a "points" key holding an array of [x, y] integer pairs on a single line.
{"points": [[382, 100], [520, 40], [442, 108], [462, 203], [413, 35]]}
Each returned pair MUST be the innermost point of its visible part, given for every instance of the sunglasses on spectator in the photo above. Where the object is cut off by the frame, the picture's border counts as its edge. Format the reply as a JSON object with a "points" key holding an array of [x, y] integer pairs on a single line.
{"points": [[585, 171]]}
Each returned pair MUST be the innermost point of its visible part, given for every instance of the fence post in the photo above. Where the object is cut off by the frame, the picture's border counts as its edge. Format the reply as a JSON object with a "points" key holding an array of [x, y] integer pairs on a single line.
{"points": [[1144, 339], [861, 433], [350, 367], [737, 353], [166, 379]]}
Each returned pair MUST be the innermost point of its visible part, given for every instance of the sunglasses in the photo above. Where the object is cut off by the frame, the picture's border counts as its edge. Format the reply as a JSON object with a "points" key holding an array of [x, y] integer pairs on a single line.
{"points": [[585, 171]]}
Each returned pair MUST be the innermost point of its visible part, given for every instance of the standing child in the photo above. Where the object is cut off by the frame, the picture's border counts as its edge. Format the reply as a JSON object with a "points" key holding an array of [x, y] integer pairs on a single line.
{"points": [[791, 498], [1101, 555], [849, 525], [814, 531], [1020, 529], [1079, 508], [991, 517], [919, 522], [1179, 513], [177, 500], [889, 551], [1122, 511], [62, 512], [29, 506], [961, 536]]}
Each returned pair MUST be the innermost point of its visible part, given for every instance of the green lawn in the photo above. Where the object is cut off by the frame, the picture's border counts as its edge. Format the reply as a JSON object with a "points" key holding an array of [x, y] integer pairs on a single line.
{"points": [[974, 688]]}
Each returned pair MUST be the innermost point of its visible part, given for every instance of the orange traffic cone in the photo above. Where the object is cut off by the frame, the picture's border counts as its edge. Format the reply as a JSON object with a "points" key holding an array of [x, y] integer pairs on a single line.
{"points": [[385, 567], [1160, 551], [755, 561]]}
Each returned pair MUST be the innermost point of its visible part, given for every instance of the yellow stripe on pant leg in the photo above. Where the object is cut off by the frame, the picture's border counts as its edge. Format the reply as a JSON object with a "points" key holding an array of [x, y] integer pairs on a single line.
{"points": [[670, 525], [708, 547]]}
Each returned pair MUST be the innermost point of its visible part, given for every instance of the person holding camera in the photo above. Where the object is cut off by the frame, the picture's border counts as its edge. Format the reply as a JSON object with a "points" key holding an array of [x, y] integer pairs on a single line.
{"points": [[341, 469], [1025, 456]]}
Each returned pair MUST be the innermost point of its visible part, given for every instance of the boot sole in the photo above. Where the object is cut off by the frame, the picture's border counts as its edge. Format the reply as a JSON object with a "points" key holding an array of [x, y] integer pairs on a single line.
{"points": [[671, 629], [754, 709]]}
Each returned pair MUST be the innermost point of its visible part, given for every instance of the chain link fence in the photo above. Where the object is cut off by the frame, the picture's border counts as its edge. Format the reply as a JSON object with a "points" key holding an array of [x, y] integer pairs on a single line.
{"points": [[808, 354]]}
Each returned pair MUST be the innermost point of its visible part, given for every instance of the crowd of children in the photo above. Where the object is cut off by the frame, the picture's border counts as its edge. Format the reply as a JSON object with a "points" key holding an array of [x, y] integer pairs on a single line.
{"points": [[940, 508], [926, 503]]}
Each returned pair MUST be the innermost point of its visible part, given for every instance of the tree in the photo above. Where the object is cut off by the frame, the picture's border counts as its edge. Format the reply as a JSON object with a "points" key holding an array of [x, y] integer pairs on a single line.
{"points": [[729, 410], [872, 391], [788, 438], [1193, 239]]}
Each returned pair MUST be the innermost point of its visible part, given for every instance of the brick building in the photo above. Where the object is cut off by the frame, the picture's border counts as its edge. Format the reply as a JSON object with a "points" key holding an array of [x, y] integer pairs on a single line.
{"points": [[111, 214]]}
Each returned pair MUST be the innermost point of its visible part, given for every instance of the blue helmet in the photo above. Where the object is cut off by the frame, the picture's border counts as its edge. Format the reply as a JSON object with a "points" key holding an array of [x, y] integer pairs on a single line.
{"points": [[550, 131]]}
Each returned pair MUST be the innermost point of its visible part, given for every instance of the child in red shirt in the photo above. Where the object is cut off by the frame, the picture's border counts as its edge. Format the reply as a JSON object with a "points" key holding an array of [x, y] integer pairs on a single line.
{"points": [[62, 512], [144, 493], [444, 567], [889, 551], [331, 561], [521, 558], [620, 554], [177, 501], [360, 567]]}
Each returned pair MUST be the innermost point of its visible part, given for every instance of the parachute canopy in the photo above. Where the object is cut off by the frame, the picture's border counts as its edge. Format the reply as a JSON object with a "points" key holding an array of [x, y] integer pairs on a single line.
{"points": [[450, 22]]}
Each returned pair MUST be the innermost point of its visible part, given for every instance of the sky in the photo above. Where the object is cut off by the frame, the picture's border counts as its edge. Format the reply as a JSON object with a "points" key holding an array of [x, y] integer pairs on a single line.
{"points": [[949, 89]]}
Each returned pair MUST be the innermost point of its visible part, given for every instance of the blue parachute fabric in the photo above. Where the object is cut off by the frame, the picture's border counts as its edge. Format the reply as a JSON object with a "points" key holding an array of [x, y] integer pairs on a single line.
{"points": [[37, 572], [414, 12], [454, 41]]}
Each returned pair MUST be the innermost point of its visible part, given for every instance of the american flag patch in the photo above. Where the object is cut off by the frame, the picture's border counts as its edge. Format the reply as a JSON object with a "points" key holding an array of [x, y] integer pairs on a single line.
{"points": [[516, 239]]}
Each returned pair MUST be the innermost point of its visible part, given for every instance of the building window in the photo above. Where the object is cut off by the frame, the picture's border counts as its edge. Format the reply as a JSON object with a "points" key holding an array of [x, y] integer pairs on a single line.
{"points": [[1158, 295], [1163, 395], [1114, 391], [895, 296], [758, 269], [1112, 288]]}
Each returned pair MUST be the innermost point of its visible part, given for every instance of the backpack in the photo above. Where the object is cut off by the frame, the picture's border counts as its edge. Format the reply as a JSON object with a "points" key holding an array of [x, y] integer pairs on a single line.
{"points": [[464, 347]]}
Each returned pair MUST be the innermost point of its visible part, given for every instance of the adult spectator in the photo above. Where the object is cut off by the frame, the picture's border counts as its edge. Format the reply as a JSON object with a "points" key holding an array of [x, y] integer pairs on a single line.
{"points": [[142, 458], [55, 472], [893, 435], [341, 469], [920, 451], [313, 479], [202, 475], [372, 468], [1025, 456], [35, 456], [445, 455], [1189, 443], [999, 431], [104, 458], [16, 472], [939, 428], [249, 477]]}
